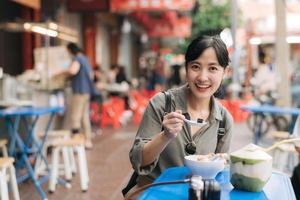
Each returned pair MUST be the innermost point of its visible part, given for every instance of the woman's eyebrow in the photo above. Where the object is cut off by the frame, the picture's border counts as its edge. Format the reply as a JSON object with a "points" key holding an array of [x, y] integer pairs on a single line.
{"points": [[209, 63], [213, 63], [195, 62]]}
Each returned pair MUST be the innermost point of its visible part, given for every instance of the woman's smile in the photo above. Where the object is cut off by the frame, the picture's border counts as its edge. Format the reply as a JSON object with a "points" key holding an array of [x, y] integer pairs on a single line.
{"points": [[202, 87]]}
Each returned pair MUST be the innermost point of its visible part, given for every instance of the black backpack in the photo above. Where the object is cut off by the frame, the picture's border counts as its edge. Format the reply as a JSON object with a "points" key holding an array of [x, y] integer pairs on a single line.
{"points": [[296, 181], [168, 108]]}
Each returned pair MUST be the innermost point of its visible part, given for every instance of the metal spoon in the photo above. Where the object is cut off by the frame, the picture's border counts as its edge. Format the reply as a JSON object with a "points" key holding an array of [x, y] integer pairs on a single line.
{"points": [[195, 123]]}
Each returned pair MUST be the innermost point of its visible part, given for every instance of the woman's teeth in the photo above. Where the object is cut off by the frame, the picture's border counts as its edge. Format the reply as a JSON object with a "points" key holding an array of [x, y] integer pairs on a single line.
{"points": [[202, 86]]}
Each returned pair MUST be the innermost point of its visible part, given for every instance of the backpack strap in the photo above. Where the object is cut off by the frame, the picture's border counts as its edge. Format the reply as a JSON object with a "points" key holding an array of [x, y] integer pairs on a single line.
{"points": [[131, 183], [168, 103], [221, 131]]}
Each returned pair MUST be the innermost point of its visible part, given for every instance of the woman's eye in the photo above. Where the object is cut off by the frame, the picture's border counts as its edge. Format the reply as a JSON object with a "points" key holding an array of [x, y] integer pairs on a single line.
{"points": [[213, 68], [195, 67]]}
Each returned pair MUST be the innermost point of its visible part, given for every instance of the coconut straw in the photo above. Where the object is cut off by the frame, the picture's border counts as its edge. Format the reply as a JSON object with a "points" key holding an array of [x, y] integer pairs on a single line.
{"points": [[281, 142]]}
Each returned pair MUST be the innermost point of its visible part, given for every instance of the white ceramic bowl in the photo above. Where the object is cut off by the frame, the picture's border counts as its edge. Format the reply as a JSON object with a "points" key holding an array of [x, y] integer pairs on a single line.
{"points": [[206, 169]]}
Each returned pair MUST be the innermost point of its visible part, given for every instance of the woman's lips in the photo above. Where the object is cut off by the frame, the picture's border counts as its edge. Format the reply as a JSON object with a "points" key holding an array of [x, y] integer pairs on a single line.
{"points": [[202, 87]]}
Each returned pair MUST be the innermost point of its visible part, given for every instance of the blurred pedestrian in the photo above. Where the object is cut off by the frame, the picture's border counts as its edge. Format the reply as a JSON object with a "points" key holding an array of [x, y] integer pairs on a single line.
{"points": [[112, 73], [97, 100], [98, 82], [121, 75], [265, 78], [175, 79], [80, 73]]}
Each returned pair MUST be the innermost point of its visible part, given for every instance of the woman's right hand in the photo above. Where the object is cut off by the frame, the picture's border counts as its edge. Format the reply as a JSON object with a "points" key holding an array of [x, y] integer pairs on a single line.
{"points": [[173, 123]]}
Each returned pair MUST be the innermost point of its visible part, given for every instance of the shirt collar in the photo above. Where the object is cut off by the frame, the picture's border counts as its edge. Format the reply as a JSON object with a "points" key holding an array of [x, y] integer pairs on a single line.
{"points": [[181, 103]]}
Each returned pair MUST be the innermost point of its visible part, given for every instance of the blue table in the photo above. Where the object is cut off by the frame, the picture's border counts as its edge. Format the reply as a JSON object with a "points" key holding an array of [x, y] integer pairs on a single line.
{"points": [[278, 187], [30, 144], [267, 109]]}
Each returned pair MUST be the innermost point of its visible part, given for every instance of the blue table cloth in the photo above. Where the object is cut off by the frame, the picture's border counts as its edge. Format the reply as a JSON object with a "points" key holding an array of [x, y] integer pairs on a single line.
{"points": [[278, 187]]}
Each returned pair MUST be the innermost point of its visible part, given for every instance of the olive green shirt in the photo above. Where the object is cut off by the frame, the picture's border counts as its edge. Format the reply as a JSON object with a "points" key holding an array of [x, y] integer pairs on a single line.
{"points": [[174, 153]]}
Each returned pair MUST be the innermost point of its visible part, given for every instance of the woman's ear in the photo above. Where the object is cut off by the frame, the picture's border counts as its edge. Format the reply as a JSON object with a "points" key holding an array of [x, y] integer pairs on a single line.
{"points": [[227, 72]]}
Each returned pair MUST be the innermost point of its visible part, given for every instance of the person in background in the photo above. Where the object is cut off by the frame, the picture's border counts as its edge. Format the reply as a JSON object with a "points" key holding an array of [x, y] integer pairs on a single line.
{"points": [[265, 78], [80, 73], [175, 79], [112, 73], [157, 80], [98, 81], [121, 75], [164, 139], [97, 100], [98, 73]]}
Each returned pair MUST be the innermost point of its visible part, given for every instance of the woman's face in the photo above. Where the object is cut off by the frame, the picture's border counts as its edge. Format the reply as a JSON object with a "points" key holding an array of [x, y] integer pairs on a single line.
{"points": [[204, 75]]}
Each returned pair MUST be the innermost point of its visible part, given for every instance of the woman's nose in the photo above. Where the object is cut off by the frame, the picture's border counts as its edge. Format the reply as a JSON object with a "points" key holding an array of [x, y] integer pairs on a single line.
{"points": [[202, 75]]}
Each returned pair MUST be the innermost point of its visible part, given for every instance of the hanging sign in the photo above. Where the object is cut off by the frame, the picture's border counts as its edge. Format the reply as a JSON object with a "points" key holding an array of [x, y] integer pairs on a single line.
{"points": [[163, 28], [169, 25], [150, 5]]}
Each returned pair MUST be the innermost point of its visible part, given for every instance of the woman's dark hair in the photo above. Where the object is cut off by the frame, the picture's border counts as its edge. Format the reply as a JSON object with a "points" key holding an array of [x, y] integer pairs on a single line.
{"points": [[198, 45], [73, 48]]}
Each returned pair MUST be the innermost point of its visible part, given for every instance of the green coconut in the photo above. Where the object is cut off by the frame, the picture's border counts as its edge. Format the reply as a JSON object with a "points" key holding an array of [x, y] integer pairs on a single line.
{"points": [[250, 168]]}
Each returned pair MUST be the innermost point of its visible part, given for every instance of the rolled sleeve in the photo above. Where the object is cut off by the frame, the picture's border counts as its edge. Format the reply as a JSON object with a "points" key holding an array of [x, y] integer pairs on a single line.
{"points": [[149, 127], [136, 158]]}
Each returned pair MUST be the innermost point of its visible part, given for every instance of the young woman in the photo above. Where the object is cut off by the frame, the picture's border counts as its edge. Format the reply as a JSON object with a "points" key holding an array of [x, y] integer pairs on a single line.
{"points": [[164, 139]]}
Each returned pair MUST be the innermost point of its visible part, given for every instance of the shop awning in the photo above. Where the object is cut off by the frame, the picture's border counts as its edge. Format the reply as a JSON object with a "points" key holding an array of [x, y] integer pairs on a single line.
{"points": [[167, 25]]}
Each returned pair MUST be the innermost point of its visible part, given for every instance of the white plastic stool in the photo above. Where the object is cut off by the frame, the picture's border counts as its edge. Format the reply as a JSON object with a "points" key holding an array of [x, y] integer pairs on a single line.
{"points": [[53, 136], [284, 156], [64, 145], [3, 143], [6, 164]]}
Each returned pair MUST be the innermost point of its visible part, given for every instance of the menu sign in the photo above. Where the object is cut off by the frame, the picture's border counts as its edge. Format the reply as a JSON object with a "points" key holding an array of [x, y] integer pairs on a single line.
{"points": [[150, 5]]}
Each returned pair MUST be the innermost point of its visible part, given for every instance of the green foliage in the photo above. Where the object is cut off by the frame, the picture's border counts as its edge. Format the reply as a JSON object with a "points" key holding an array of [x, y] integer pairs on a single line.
{"points": [[210, 17]]}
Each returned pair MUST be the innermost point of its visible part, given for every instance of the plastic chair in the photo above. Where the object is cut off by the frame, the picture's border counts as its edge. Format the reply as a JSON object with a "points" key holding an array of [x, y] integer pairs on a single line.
{"points": [[112, 112], [95, 114], [233, 106], [138, 105]]}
